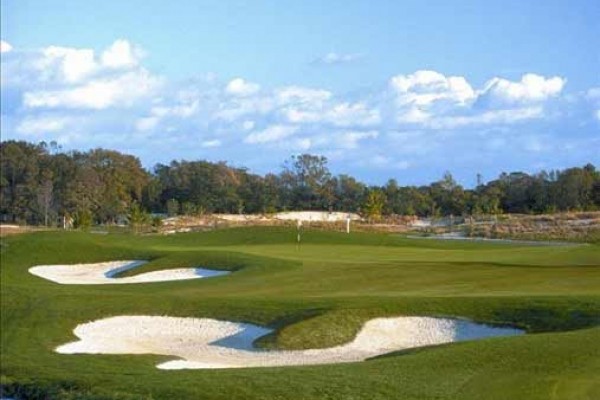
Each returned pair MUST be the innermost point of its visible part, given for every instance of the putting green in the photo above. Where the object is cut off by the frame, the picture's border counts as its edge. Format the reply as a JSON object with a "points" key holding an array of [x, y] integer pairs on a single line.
{"points": [[315, 295]]}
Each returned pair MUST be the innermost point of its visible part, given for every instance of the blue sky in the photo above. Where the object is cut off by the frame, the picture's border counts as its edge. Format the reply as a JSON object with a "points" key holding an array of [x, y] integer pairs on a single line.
{"points": [[403, 89]]}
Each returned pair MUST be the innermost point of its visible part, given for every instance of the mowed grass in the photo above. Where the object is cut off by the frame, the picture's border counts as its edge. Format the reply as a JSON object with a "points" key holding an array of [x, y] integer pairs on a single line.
{"points": [[316, 294]]}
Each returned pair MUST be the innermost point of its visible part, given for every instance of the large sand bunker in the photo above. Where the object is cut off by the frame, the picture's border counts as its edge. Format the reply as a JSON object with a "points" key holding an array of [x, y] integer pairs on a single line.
{"points": [[210, 343], [104, 273]]}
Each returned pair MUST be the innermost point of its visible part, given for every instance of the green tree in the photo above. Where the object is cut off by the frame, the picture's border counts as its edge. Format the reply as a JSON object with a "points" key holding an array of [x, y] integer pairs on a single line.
{"points": [[138, 217], [374, 205]]}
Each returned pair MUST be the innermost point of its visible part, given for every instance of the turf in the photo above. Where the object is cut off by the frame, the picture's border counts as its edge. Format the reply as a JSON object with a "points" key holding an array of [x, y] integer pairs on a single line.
{"points": [[316, 294]]}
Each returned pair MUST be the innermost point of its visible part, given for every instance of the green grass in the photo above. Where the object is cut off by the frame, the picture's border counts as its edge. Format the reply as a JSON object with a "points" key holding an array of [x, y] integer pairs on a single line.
{"points": [[317, 294]]}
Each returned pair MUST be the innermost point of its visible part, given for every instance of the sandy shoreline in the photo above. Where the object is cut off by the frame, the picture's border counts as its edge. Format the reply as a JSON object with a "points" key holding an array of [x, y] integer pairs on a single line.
{"points": [[104, 273], [202, 343]]}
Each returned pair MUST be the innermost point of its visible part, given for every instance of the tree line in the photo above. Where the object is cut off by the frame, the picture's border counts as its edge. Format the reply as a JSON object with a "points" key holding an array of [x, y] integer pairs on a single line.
{"points": [[39, 183]]}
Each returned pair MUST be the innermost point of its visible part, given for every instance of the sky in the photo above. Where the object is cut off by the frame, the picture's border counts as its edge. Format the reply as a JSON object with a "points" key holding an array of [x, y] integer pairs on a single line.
{"points": [[383, 89]]}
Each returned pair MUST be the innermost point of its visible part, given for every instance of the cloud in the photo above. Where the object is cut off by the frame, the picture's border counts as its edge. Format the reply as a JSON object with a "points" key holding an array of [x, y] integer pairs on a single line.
{"points": [[121, 90], [241, 107], [487, 118], [107, 98], [57, 64], [341, 114], [271, 134], [239, 87], [433, 100], [424, 94], [43, 124], [66, 77], [593, 93], [531, 88], [381, 161], [211, 143], [121, 54], [65, 64], [147, 123], [333, 58], [425, 87], [593, 96], [352, 139], [302, 95], [5, 47]]}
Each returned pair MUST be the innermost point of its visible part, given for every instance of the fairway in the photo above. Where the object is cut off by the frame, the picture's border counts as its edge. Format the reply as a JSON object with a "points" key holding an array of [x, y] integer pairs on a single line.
{"points": [[313, 295]]}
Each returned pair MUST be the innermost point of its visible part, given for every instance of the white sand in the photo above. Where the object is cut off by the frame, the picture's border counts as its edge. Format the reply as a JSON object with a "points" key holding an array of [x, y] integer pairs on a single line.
{"points": [[104, 273], [321, 216], [241, 217], [209, 343]]}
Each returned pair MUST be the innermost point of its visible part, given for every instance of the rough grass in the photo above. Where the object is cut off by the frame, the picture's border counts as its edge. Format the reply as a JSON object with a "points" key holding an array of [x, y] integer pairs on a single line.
{"points": [[316, 294]]}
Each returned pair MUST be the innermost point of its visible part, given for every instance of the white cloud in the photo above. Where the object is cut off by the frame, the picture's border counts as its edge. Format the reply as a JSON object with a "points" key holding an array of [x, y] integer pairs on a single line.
{"points": [[239, 87], [122, 90], [351, 139], [426, 87], [432, 100], [211, 143], [382, 161], [44, 124], [121, 54], [72, 65], [147, 123], [338, 58], [348, 114], [5, 47], [130, 103], [180, 110], [342, 115], [241, 107], [593, 93], [426, 94], [530, 88], [487, 118], [271, 134], [302, 144], [534, 144], [302, 95], [55, 66]]}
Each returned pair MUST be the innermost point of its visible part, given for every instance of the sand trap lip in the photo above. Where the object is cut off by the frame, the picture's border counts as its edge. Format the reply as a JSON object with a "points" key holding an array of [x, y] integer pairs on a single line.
{"points": [[104, 273], [204, 343]]}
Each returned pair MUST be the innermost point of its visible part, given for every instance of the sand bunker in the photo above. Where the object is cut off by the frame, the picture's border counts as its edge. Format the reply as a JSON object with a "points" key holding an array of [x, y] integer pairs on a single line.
{"points": [[104, 273], [210, 343]]}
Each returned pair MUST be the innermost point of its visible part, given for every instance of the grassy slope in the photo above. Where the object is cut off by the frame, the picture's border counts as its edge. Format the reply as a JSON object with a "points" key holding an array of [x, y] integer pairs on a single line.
{"points": [[318, 295]]}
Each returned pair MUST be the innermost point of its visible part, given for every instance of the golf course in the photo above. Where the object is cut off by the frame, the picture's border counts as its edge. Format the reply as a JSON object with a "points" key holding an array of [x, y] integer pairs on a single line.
{"points": [[316, 294]]}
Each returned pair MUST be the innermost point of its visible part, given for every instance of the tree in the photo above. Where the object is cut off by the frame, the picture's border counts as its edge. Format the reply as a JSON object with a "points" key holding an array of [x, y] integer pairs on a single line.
{"points": [[373, 207], [308, 180], [82, 219], [45, 198], [172, 207], [138, 217], [19, 171], [349, 193]]}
